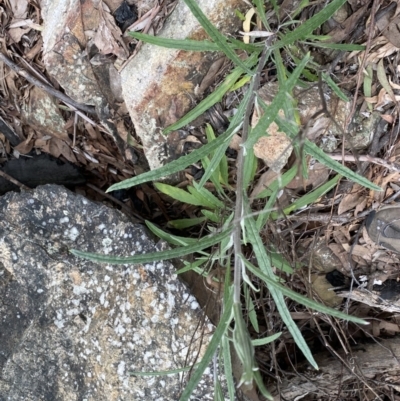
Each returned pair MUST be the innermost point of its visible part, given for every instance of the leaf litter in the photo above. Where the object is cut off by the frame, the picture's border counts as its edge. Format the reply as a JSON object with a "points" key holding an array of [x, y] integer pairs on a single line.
{"points": [[92, 147]]}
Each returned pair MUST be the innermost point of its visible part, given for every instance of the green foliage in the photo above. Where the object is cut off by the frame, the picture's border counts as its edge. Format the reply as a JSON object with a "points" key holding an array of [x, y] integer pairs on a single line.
{"points": [[217, 209]]}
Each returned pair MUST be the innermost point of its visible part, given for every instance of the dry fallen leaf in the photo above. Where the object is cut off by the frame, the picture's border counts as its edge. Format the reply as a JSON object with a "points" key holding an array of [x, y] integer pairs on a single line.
{"points": [[108, 35], [351, 199], [318, 174]]}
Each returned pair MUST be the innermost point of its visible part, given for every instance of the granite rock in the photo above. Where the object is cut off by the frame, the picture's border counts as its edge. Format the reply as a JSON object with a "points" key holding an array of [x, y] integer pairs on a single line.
{"points": [[71, 329]]}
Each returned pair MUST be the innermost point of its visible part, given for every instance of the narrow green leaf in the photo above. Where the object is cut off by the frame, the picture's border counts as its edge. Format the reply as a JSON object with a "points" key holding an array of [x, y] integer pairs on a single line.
{"points": [[279, 183], [233, 127], [226, 355], [215, 176], [222, 169], [201, 198], [265, 265], [182, 44], [195, 266], [307, 28], [171, 239], [278, 261], [180, 195], [260, 6], [203, 243], [216, 36], [248, 47], [212, 99], [383, 80], [367, 84], [318, 154], [174, 166], [250, 168], [251, 309], [277, 104], [211, 349], [368, 77], [334, 87], [309, 198], [301, 299], [181, 224], [266, 340], [243, 347], [241, 82], [211, 216], [211, 198], [218, 393], [338, 46]]}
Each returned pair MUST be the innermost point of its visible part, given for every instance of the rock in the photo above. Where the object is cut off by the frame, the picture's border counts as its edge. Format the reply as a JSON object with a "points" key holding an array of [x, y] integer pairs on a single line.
{"points": [[159, 84], [72, 329]]}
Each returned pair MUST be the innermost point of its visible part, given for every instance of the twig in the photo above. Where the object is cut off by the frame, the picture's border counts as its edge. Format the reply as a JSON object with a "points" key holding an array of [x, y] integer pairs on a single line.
{"points": [[367, 158], [112, 199], [14, 181], [57, 94]]}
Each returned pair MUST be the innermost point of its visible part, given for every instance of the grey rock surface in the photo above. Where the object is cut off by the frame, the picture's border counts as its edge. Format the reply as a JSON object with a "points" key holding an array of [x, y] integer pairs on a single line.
{"points": [[71, 329], [159, 85]]}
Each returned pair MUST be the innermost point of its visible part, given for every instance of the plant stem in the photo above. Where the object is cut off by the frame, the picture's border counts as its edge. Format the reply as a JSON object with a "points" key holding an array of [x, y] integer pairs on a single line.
{"points": [[239, 207]]}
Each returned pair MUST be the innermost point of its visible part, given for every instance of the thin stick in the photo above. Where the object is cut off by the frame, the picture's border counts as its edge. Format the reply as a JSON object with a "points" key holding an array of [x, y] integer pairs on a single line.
{"points": [[14, 181], [367, 158], [49, 89], [112, 199]]}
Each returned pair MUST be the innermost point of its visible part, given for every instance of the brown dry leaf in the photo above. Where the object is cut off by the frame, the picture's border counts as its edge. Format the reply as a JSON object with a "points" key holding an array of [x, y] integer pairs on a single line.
{"points": [[390, 328], [394, 85], [361, 206], [108, 37], [352, 199], [26, 146], [385, 49], [318, 174], [43, 144], [343, 256], [345, 28], [263, 182], [382, 99], [19, 9], [389, 24], [360, 251], [383, 182], [59, 148], [368, 240], [209, 78], [388, 118]]}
